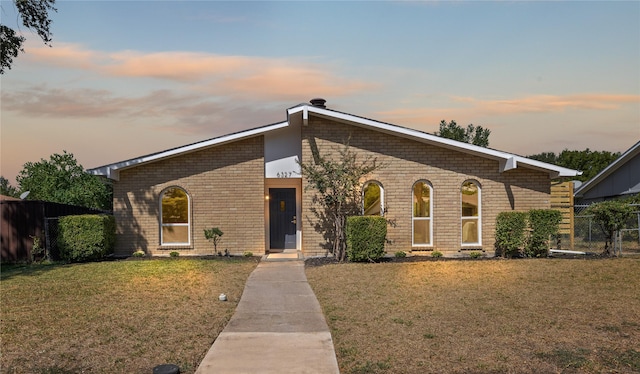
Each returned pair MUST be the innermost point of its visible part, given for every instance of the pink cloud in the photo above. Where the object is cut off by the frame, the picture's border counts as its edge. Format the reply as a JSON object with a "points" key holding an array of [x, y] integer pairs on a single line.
{"points": [[66, 55], [260, 77], [550, 103], [177, 66], [285, 81], [468, 108]]}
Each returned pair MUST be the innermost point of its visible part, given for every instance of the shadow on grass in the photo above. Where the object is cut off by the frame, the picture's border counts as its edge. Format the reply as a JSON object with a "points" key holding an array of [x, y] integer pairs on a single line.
{"points": [[8, 271]]}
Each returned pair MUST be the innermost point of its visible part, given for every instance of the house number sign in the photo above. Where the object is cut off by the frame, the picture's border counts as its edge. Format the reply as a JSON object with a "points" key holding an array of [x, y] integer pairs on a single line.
{"points": [[285, 174]]}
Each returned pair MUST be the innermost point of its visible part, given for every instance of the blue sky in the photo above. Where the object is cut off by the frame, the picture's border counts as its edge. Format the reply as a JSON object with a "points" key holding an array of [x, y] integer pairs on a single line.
{"points": [[127, 78]]}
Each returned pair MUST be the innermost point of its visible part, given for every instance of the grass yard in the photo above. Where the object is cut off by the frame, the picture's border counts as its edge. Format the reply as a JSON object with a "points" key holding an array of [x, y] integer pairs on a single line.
{"points": [[483, 316], [116, 317]]}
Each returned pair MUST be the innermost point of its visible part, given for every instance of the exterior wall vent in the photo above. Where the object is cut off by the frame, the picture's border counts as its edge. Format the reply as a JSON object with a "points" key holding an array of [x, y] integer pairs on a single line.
{"points": [[318, 102]]}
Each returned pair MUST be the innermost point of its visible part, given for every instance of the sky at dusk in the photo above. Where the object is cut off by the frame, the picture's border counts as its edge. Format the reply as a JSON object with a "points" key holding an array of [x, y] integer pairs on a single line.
{"points": [[128, 78]]}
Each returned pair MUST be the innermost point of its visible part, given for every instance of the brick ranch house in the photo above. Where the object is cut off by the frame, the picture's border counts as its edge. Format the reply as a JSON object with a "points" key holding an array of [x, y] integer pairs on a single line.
{"points": [[441, 194]]}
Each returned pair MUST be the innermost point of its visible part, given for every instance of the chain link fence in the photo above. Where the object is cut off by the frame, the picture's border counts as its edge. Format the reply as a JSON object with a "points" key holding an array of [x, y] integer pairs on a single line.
{"points": [[589, 237], [51, 238]]}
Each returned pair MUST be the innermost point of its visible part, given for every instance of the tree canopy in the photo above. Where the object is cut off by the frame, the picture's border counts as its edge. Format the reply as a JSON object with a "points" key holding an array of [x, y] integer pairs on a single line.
{"points": [[588, 161], [35, 16], [7, 189], [62, 180], [338, 185], [476, 135]]}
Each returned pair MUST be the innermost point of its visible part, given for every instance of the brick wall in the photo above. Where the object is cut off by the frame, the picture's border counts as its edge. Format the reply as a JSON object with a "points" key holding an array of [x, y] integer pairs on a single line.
{"points": [[408, 161], [225, 184]]}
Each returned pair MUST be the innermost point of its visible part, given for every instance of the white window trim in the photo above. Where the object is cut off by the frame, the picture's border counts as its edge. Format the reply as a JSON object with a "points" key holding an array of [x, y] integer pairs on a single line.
{"points": [[478, 218], [188, 224], [364, 186], [430, 218]]}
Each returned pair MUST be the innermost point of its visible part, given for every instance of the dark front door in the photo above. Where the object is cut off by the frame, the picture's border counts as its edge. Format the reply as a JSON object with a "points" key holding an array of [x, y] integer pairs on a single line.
{"points": [[282, 218]]}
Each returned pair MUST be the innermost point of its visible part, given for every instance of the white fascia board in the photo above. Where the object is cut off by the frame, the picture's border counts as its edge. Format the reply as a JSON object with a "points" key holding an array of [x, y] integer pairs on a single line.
{"points": [[410, 133], [553, 170], [506, 161], [112, 171]]}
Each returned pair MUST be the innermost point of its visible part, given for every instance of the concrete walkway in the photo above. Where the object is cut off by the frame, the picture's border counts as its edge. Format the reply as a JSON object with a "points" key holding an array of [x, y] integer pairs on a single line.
{"points": [[278, 326]]}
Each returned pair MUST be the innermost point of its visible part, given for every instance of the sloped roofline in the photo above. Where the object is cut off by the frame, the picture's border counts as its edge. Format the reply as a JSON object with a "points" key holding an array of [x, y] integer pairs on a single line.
{"points": [[615, 165], [507, 161], [112, 171]]}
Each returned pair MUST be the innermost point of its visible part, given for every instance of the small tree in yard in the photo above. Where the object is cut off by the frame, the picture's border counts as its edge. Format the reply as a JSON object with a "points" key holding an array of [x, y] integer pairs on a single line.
{"points": [[214, 235], [610, 216], [338, 186]]}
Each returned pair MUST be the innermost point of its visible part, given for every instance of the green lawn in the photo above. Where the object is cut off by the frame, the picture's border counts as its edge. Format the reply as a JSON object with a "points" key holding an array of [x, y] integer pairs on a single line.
{"points": [[116, 317], [483, 316]]}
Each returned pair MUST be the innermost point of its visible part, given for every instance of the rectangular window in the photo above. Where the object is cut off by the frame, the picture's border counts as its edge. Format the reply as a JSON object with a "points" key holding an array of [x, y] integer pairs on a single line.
{"points": [[421, 220], [470, 214], [421, 231], [174, 211], [175, 234]]}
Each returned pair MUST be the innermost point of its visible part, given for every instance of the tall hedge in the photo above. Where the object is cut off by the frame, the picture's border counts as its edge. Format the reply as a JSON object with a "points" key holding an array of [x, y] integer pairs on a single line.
{"points": [[526, 233], [366, 236], [543, 224], [510, 233], [86, 237]]}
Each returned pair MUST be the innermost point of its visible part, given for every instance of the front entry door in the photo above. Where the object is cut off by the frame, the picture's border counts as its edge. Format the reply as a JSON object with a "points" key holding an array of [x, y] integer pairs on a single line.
{"points": [[282, 218]]}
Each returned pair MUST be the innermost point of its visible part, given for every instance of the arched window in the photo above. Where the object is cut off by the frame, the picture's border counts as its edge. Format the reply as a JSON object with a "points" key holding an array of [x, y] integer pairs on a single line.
{"points": [[422, 213], [373, 199], [471, 214], [175, 213]]}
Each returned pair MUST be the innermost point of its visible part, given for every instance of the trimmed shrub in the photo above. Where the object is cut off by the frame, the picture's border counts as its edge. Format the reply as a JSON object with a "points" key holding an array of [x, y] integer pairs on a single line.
{"points": [[436, 254], [543, 224], [86, 237], [526, 233], [400, 254], [366, 236], [510, 233]]}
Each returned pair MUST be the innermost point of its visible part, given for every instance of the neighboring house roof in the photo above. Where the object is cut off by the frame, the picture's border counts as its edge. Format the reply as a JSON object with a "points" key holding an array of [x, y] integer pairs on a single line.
{"points": [[602, 176], [507, 161]]}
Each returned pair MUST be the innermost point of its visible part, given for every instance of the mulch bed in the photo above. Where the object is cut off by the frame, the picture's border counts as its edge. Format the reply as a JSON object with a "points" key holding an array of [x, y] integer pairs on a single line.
{"points": [[321, 261]]}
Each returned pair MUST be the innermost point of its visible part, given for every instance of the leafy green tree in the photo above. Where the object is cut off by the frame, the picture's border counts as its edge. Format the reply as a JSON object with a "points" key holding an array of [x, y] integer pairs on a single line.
{"points": [[611, 216], [62, 180], [35, 16], [337, 183], [476, 135], [7, 189], [588, 161]]}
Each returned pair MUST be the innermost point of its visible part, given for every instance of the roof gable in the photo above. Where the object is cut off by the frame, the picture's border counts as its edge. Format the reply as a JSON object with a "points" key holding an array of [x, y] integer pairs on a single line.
{"points": [[112, 171], [301, 112], [507, 161]]}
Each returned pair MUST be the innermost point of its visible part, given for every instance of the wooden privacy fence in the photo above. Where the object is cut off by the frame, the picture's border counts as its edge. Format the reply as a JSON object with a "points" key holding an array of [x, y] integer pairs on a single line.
{"points": [[24, 220], [562, 200]]}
